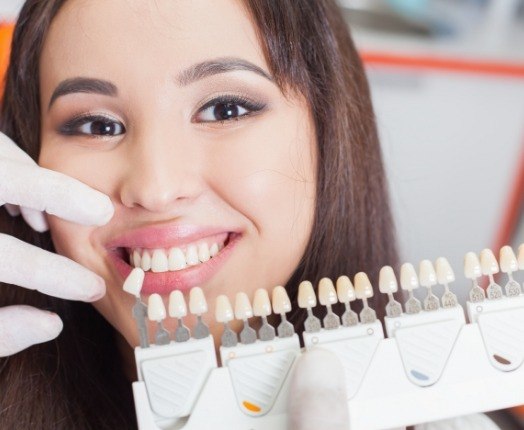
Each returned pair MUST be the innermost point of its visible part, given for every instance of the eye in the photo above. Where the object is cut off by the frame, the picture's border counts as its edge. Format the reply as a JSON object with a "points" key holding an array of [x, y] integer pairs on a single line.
{"points": [[93, 125], [227, 108]]}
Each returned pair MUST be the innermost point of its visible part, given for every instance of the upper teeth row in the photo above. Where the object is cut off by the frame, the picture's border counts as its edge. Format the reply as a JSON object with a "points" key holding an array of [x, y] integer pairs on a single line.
{"points": [[162, 260]]}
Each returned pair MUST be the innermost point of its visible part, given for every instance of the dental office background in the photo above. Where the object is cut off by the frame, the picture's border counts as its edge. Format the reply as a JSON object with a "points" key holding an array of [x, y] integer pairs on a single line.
{"points": [[447, 78]]}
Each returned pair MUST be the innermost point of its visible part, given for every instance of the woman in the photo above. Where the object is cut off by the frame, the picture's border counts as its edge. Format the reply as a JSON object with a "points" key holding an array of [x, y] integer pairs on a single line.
{"points": [[245, 125]]}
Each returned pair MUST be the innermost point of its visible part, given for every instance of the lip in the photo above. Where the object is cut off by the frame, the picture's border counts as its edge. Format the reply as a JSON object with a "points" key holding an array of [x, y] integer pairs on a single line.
{"points": [[166, 237]]}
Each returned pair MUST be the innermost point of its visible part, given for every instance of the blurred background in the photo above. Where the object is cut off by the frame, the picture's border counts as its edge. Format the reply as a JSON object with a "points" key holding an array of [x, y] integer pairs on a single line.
{"points": [[447, 78]]}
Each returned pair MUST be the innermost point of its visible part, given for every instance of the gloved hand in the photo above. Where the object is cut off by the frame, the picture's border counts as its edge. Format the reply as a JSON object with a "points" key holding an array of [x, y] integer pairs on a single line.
{"points": [[318, 397], [31, 190]]}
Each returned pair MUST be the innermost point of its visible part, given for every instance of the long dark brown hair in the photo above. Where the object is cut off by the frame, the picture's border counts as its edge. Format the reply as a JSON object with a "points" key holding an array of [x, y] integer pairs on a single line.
{"points": [[76, 381]]}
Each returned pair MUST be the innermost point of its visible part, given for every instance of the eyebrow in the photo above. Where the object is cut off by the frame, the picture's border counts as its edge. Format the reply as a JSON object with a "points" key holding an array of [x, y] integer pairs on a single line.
{"points": [[216, 66], [193, 73], [83, 85]]}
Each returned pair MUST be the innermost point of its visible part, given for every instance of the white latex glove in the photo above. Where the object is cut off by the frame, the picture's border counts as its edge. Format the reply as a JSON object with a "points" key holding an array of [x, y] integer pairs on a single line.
{"points": [[318, 398], [29, 189]]}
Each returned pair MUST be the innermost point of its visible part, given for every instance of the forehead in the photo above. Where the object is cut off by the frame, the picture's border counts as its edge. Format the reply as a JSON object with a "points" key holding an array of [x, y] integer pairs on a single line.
{"points": [[144, 39]]}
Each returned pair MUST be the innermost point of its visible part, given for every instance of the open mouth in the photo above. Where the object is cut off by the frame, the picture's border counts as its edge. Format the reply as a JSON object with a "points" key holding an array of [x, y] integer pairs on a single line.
{"points": [[159, 260]]}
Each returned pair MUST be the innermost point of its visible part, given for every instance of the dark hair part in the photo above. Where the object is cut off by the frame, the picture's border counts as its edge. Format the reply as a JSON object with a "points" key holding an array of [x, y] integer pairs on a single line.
{"points": [[76, 381]]}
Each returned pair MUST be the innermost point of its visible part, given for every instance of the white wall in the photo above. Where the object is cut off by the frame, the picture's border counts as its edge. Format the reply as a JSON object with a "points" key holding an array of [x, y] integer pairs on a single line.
{"points": [[9, 9]]}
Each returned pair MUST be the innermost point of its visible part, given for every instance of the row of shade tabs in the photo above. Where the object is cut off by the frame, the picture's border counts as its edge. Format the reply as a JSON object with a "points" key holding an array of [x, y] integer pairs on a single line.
{"points": [[343, 290]]}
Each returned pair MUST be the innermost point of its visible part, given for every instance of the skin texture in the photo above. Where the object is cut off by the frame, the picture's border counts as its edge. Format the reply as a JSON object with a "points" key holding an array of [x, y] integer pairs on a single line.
{"points": [[254, 175]]}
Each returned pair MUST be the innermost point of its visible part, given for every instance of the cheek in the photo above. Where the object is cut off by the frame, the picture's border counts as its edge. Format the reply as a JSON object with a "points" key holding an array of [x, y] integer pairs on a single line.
{"points": [[73, 241], [269, 175]]}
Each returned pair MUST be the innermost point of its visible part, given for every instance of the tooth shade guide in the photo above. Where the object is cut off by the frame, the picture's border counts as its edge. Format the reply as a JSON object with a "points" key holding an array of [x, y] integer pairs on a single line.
{"points": [[198, 306], [307, 300], [346, 294], [281, 305], [388, 285], [409, 282], [445, 275], [364, 290], [244, 311]]}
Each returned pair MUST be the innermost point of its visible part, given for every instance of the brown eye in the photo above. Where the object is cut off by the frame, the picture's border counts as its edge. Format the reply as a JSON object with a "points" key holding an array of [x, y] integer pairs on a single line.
{"points": [[228, 108], [97, 126]]}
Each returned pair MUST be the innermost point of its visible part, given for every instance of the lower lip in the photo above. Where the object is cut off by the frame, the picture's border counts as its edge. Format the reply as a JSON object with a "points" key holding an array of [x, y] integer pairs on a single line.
{"points": [[185, 279]]}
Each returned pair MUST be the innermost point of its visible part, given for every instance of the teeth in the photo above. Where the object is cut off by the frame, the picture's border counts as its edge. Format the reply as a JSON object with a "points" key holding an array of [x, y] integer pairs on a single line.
{"points": [[146, 261], [197, 301], [136, 261], [472, 266], [345, 290], [427, 275], [177, 305], [520, 258], [133, 283], [156, 311], [159, 261], [363, 288], [508, 260], [176, 259], [192, 256], [261, 303], [408, 277], [306, 295], [281, 302], [243, 309], [445, 274], [326, 292], [203, 253], [488, 262], [223, 309], [387, 281]]}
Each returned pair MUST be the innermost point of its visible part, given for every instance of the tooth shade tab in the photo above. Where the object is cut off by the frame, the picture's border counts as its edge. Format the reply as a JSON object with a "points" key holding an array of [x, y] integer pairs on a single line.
{"points": [[472, 268], [197, 301], [445, 274], [408, 277], [281, 303], [427, 276], [387, 280], [363, 287], [261, 303], [520, 257], [327, 294], [156, 311], [177, 305], [488, 262], [133, 283], [306, 295], [508, 260], [345, 290], [223, 309], [243, 309]]}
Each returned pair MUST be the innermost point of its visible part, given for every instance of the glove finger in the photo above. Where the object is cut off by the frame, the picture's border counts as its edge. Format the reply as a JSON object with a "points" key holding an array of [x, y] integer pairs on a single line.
{"points": [[35, 219], [318, 397], [12, 210], [41, 189], [10, 150], [31, 267], [22, 326]]}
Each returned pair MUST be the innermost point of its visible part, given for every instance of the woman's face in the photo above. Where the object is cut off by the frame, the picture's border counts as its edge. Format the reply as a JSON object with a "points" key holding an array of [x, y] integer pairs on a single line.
{"points": [[169, 108]]}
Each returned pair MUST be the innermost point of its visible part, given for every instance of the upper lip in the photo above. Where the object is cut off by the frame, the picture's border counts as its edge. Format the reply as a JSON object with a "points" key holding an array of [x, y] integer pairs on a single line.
{"points": [[166, 236]]}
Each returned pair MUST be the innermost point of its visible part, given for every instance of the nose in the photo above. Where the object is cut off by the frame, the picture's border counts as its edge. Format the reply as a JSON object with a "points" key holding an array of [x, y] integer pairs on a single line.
{"points": [[161, 173]]}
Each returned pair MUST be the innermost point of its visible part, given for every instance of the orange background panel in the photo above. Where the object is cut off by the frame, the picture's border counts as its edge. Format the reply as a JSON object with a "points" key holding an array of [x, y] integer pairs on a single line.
{"points": [[6, 32]]}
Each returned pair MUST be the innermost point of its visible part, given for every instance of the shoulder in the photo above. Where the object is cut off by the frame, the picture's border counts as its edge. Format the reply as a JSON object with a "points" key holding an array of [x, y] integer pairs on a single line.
{"points": [[466, 422]]}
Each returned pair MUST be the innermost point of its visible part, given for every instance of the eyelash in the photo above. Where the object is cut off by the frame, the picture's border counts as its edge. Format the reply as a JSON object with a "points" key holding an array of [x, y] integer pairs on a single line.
{"points": [[73, 126]]}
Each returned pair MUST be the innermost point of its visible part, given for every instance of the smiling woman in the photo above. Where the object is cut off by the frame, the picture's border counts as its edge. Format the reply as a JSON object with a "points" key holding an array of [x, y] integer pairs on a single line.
{"points": [[237, 144]]}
